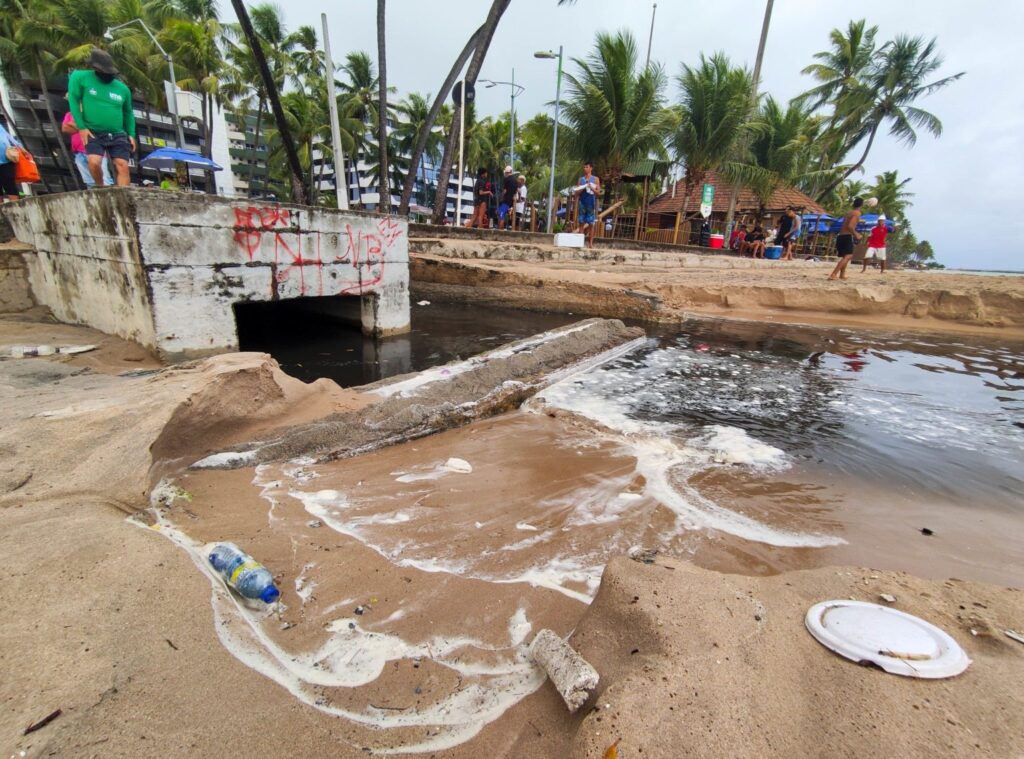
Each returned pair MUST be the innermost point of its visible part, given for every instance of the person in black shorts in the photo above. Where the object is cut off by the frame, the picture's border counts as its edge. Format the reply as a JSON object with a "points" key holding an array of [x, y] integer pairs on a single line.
{"points": [[846, 239], [482, 193], [508, 197]]}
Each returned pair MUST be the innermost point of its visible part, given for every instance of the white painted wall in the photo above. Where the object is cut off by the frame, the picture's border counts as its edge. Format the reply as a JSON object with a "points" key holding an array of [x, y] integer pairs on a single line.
{"points": [[165, 268]]}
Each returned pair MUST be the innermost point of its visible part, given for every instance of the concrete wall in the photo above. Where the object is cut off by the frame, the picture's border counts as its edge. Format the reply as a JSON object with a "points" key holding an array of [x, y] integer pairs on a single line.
{"points": [[164, 268]]}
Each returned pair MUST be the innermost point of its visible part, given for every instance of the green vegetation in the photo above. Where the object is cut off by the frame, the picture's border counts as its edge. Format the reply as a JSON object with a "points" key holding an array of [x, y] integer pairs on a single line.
{"points": [[616, 110]]}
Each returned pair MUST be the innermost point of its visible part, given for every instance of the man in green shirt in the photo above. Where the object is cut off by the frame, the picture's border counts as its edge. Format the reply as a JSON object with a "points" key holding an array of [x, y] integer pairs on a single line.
{"points": [[101, 106]]}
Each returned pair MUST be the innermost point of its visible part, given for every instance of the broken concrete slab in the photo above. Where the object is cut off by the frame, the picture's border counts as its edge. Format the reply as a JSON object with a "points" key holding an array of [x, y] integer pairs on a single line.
{"points": [[440, 398]]}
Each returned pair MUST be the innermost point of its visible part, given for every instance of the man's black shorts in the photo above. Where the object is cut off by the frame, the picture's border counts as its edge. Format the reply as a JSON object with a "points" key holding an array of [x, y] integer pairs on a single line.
{"points": [[844, 245], [114, 144]]}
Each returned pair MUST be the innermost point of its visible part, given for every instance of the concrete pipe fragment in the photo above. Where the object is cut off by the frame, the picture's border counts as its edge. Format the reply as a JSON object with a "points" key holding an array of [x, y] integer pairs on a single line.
{"points": [[571, 674]]}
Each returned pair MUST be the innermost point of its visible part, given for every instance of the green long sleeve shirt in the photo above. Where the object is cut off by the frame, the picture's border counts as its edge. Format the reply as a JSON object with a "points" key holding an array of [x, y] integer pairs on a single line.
{"points": [[98, 106]]}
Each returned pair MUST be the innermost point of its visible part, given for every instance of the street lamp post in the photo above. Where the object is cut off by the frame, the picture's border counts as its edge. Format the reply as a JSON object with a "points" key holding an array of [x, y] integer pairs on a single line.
{"points": [[173, 100], [517, 89], [554, 141]]}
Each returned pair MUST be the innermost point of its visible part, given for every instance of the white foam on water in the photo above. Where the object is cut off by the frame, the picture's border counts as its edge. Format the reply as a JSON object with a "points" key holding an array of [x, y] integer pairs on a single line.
{"points": [[664, 460], [352, 656], [304, 586], [519, 627], [226, 459]]}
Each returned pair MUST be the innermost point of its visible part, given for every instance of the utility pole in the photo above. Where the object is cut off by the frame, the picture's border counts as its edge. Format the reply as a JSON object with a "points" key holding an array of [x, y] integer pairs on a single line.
{"points": [[340, 177], [650, 38], [730, 215], [462, 147], [512, 125]]}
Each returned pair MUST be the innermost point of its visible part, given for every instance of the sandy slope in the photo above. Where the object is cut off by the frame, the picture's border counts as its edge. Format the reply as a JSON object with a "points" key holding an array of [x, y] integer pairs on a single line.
{"points": [[791, 292]]}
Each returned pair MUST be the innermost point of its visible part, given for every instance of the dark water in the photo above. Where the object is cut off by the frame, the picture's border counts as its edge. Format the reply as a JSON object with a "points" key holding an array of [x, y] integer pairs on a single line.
{"points": [[310, 347], [942, 416]]}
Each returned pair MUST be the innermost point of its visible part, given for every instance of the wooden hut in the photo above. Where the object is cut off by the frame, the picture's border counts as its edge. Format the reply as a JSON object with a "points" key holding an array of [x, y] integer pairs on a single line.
{"points": [[660, 221]]}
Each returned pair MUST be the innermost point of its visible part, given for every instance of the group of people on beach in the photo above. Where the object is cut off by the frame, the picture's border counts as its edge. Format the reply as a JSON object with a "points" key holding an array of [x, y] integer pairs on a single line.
{"points": [[848, 237], [754, 242], [509, 212]]}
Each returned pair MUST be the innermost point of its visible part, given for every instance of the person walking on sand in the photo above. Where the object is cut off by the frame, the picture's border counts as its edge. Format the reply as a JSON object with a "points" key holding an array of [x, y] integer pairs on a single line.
{"points": [[588, 188], [101, 106], [846, 239], [876, 244], [481, 196]]}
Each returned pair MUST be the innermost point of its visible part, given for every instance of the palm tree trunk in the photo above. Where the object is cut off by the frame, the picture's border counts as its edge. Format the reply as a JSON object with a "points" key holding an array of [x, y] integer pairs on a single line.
{"points": [[207, 100], [68, 163], [384, 206], [867, 149], [294, 167], [498, 7], [424, 135]]}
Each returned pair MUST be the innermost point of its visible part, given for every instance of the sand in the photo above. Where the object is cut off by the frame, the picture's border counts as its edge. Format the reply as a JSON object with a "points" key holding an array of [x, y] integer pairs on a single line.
{"points": [[660, 287], [112, 622]]}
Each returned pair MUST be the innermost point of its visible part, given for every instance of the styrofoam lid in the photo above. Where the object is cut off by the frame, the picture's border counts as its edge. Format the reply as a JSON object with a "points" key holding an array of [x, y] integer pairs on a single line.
{"points": [[898, 642]]}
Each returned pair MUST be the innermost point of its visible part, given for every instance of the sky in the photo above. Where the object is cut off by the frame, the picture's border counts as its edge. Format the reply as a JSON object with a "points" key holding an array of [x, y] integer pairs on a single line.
{"points": [[964, 182]]}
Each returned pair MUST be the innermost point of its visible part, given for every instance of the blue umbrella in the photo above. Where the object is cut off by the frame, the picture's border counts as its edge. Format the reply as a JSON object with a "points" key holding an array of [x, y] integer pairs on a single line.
{"points": [[866, 224], [166, 158], [817, 222]]}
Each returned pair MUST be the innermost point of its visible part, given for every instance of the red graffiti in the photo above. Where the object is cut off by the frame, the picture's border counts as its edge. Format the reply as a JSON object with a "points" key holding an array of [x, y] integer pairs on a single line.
{"points": [[364, 252], [252, 222]]}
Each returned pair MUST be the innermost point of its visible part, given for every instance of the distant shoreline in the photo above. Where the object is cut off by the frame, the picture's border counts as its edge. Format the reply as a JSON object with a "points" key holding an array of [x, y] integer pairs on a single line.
{"points": [[983, 272]]}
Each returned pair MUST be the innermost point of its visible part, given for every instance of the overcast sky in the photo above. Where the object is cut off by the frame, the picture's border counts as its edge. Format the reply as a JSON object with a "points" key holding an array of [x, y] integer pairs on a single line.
{"points": [[964, 181]]}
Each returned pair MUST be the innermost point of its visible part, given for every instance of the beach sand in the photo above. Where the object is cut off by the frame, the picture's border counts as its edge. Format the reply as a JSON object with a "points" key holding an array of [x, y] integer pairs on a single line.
{"points": [[113, 623], [622, 284]]}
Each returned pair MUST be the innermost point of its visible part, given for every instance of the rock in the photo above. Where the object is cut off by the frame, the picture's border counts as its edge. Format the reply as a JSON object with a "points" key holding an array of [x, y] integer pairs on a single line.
{"points": [[889, 599]]}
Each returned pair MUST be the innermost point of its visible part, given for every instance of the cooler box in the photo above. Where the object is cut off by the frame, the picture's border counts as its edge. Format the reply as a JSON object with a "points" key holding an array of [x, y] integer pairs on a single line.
{"points": [[569, 240], [717, 241], [773, 251]]}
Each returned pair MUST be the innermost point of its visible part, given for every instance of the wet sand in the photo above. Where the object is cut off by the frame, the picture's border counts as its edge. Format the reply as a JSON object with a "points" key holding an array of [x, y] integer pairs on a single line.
{"points": [[116, 622]]}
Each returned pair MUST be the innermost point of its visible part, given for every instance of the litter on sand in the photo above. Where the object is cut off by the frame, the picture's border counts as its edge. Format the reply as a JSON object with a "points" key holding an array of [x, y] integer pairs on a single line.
{"points": [[458, 465], [1013, 635], [30, 351], [423, 303], [570, 673], [895, 641]]}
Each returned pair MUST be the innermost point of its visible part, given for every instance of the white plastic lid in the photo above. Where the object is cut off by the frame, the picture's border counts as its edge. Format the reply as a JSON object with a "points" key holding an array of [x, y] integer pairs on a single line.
{"points": [[898, 642]]}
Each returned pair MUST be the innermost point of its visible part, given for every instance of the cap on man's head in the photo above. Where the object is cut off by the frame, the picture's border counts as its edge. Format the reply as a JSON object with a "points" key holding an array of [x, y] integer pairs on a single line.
{"points": [[100, 60], [881, 217], [508, 169]]}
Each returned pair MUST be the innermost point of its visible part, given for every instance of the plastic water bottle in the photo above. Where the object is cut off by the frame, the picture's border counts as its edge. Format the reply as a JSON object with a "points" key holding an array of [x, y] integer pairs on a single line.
{"points": [[243, 573]]}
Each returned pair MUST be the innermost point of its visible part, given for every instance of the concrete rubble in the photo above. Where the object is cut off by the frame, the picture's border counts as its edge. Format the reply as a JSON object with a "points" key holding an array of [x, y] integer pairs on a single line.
{"points": [[438, 399], [570, 673]]}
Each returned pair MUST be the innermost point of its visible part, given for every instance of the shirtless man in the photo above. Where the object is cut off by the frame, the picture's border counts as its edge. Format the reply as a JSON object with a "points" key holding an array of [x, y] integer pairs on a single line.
{"points": [[846, 239]]}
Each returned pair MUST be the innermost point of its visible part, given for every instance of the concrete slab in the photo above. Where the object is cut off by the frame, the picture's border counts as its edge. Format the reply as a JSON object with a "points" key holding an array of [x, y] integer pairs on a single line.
{"points": [[164, 268]]}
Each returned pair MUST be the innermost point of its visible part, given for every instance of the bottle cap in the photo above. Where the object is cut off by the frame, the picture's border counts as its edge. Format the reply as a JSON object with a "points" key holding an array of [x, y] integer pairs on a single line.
{"points": [[270, 594]]}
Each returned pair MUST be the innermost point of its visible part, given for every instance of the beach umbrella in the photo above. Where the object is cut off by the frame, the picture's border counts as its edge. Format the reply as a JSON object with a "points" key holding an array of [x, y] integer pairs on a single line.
{"points": [[817, 222], [166, 158], [866, 223]]}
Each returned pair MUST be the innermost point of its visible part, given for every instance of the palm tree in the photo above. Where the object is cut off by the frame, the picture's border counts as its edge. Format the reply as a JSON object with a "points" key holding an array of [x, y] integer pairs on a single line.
{"points": [[894, 83], [413, 112], [893, 198], [483, 38], [614, 109], [712, 115], [781, 138], [298, 190]]}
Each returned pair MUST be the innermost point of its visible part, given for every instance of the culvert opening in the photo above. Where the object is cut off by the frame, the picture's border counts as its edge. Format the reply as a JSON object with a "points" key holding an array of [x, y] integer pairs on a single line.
{"points": [[322, 337]]}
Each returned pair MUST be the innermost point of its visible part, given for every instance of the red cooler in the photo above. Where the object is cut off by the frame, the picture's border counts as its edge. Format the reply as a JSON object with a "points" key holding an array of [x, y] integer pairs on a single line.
{"points": [[717, 241]]}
